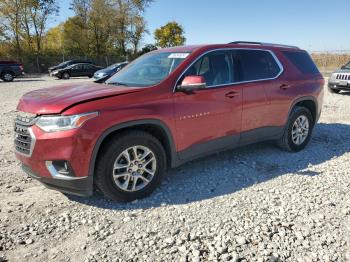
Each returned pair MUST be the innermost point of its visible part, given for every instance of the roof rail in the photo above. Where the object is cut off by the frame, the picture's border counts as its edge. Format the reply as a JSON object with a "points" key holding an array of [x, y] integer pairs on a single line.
{"points": [[260, 43]]}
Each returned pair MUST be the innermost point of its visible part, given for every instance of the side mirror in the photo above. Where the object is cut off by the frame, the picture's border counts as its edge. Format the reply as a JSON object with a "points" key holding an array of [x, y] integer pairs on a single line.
{"points": [[191, 83]]}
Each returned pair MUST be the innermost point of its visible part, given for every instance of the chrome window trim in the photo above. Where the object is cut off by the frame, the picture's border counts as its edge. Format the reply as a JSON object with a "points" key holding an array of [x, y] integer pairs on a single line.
{"points": [[234, 83]]}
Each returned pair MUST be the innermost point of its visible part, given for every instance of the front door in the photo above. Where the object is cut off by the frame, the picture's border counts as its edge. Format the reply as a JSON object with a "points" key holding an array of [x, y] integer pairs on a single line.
{"points": [[209, 119]]}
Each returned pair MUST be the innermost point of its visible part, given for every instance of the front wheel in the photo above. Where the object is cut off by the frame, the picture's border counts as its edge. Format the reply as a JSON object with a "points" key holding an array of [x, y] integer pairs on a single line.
{"points": [[130, 166], [65, 75], [298, 130]]}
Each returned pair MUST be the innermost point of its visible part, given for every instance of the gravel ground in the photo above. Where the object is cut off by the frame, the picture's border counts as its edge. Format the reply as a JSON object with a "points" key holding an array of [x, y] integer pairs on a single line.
{"points": [[251, 204]]}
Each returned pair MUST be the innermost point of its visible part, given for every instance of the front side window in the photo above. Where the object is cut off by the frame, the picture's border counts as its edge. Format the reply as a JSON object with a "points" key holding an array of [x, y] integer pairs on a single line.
{"points": [[149, 69], [255, 65], [215, 67]]}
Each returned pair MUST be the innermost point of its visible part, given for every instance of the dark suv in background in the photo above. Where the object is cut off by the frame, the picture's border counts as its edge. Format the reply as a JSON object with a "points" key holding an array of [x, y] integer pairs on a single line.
{"points": [[9, 70], [340, 79], [165, 108]]}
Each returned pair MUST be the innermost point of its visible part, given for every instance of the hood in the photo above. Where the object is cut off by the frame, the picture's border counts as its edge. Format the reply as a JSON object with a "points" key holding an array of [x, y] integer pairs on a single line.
{"points": [[344, 71], [55, 99]]}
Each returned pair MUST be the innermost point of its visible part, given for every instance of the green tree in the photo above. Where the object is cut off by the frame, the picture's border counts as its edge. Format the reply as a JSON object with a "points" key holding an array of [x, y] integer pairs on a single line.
{"points": [[171, 34]]}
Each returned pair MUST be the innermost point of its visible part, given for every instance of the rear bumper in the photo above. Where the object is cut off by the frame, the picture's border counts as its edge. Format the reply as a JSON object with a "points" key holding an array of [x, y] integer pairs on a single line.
{"points": [[81, 187]]}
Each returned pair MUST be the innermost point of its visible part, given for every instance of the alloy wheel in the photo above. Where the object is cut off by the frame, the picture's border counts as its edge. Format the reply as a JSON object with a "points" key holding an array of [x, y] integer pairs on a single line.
{"points": [[300, 130], [8, 77], [134, 168]]}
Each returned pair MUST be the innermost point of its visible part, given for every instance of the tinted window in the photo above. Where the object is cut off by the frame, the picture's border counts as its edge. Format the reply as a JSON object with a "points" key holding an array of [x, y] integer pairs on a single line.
{"points": [[255, 65], [77, 67], [87, 66], [215, 67], [302, 61], [347, 66]]}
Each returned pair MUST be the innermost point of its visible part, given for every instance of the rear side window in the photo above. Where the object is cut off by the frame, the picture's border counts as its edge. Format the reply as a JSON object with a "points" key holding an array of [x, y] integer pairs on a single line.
{"points": [[302, 61], [255, 65]]}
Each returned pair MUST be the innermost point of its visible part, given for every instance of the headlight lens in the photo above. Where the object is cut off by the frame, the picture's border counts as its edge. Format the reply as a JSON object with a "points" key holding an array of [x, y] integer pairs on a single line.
{"points": [[61, 123]]}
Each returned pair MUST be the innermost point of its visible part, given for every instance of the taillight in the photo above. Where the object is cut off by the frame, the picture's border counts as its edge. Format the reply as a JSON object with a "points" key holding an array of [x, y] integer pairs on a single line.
{"points": [[21, 67]]}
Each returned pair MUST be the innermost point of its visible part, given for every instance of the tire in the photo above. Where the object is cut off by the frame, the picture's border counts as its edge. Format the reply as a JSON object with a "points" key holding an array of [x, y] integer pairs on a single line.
{"points": [[65, 75], [333, 91], [110, 179], [7, 76], [286, 142]]}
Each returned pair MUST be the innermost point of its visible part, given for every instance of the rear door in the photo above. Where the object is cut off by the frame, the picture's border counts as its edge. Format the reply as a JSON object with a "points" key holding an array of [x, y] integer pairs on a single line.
{"points": [[258, 70], [89, 69], [209, 119]]}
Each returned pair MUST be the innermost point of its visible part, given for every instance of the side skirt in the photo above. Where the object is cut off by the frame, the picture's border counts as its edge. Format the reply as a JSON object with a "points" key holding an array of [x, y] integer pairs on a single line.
{"points": [[229, 142]]}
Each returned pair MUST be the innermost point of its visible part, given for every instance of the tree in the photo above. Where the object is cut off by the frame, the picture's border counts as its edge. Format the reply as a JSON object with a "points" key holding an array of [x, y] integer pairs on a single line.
{"points": [[10, 15], [172, 34], [147, 48], [36, 15]]}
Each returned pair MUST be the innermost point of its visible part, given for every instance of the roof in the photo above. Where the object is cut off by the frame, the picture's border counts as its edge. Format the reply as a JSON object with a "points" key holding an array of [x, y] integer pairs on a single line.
{"points": [[236, 44]]}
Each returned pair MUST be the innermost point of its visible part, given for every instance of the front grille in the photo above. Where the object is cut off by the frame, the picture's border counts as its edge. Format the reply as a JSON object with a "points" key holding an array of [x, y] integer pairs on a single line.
{"points": [[343, 76], [24, 137]]}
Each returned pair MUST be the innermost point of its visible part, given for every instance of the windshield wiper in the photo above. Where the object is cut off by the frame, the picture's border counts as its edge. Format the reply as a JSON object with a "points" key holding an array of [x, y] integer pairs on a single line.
{"points": [[116, 84]]}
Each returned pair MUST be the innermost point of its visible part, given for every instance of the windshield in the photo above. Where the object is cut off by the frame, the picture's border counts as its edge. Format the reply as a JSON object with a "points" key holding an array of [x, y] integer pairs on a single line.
{"points": [[63, 64], [148, 70], [112, 66], [347, 66]]}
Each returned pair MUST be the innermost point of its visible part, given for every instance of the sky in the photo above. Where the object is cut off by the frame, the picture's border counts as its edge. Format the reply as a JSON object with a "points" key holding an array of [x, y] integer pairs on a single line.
{"points": [[320, 25]]}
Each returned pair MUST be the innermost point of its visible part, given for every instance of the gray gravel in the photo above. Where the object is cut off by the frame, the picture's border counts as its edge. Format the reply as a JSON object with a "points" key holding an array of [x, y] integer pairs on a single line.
{"points": [[251, 204]]}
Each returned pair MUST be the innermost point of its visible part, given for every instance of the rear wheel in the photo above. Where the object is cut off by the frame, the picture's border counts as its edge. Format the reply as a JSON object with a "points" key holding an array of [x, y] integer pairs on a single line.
{"points": [[333, 91], [7, 76], [131, 166], [298, 130]]}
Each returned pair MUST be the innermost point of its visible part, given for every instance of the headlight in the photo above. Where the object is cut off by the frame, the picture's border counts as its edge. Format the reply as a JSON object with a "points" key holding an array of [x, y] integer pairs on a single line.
{"points": [[60, 123]]}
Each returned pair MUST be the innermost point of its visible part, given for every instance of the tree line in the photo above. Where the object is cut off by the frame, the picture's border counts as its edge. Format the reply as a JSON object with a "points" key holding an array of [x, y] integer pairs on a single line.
{"points": [[104, 31]]}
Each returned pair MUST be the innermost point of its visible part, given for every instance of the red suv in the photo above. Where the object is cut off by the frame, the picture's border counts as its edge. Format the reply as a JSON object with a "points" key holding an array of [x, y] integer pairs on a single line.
{"points": [[165, 108]]}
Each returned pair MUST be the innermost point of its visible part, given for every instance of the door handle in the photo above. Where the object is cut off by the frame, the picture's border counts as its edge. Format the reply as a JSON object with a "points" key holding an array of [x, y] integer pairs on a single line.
{"points": [[231, 94], [284, 86]]}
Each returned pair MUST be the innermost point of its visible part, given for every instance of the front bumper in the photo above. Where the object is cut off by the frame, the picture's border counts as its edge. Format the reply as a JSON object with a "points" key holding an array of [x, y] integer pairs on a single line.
{"points": [[339, 84], [74, 146], [81, 186]]}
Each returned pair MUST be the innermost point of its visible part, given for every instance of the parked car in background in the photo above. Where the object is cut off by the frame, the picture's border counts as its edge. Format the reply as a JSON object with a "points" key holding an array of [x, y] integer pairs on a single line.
{"points": [[83, 69], [9, 70], [340, 79], [102, 75], [67, 63], [165, 108]]}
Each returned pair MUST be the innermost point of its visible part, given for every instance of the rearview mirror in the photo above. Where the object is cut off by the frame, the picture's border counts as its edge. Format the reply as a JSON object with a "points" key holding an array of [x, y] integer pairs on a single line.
{"points": [[191, 83]]}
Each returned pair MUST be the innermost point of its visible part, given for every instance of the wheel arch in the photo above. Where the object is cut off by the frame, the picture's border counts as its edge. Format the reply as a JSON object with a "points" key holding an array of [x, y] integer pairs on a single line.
{"points": [[154, 127], [309, 102]]}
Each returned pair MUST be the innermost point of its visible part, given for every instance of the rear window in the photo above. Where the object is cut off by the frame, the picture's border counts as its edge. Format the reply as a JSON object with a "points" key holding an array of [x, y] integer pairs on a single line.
{"points": [[302, 61], [256, 65]]}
